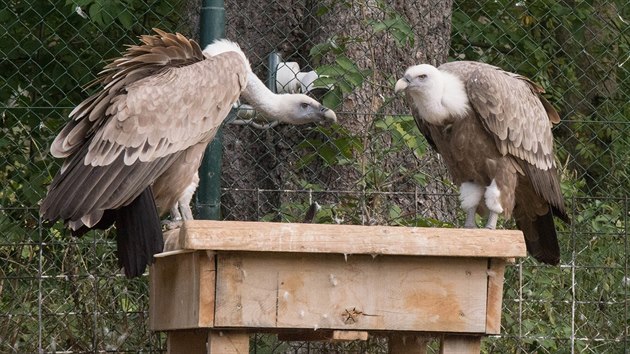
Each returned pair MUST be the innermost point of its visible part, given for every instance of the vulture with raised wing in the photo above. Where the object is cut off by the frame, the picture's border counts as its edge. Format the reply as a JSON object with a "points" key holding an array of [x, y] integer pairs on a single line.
{"points": [[133, 149], [493, 131]]}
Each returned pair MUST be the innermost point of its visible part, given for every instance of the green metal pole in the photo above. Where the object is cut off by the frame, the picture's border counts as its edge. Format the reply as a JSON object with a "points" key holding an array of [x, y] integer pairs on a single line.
{"points": [[212, 26]]}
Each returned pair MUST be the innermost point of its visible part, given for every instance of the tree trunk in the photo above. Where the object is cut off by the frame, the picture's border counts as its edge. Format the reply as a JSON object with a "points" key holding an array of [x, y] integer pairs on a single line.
{"points": [[267, 160]]}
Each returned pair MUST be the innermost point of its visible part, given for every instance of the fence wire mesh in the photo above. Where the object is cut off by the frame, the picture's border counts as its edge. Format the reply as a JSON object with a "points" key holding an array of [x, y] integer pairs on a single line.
{"points": [[59, 294]]}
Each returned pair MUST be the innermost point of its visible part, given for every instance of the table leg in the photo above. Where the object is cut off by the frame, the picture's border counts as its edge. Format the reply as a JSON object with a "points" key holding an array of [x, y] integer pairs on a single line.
{"points": [[227, 342], [455, 344]]}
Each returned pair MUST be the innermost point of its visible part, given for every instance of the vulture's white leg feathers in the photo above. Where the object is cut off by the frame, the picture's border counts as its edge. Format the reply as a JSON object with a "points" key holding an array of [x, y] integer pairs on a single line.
{"points": [[493, 203], [133, 148], [492, 128]]}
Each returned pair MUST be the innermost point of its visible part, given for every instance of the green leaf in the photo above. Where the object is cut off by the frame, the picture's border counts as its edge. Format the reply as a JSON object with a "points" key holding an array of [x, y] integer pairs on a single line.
{"points": [[324, 81], [329, 70], [126, 19], [333, 99], [346, 64], [322, 10], [95, 11]]}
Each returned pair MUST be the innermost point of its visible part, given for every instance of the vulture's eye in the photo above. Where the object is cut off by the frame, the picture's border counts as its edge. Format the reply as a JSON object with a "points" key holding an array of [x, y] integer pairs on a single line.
{"points": [[304, 105], [422, 76]]}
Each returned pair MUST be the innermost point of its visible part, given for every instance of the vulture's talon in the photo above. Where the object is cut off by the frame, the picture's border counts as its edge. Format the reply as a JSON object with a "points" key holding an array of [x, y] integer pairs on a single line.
{"points": [[172, 224]]}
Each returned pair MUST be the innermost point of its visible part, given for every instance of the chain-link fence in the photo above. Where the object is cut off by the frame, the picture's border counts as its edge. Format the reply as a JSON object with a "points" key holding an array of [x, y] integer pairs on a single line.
{"points": [[59, 294]]}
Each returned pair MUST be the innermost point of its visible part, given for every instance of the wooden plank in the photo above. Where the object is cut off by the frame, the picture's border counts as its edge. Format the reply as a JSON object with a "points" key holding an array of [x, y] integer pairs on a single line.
{"points": [[175, 291], [245, 296], [207, 286], [455, 344], [287, 290], [227, 342], [350, 239], [171, 240], [496, 270], [188, 341], [407, 344]]}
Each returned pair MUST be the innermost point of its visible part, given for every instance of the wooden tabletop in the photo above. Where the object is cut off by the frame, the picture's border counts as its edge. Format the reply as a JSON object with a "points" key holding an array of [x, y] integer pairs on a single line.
{"points": [[349, 239]]}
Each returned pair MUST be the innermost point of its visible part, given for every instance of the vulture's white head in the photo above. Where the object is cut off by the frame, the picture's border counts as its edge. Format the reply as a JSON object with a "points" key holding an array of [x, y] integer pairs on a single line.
{"points": [[420, 79], [297, 109], [438, 95]]}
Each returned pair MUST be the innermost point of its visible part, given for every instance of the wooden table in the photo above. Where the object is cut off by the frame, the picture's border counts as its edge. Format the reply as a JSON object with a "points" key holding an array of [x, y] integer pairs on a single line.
{"points": [[223, 280]]}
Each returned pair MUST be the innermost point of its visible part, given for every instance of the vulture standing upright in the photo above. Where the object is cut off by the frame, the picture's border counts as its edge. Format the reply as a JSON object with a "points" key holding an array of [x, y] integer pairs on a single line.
{"points": [[493, 131], [132, 149]]}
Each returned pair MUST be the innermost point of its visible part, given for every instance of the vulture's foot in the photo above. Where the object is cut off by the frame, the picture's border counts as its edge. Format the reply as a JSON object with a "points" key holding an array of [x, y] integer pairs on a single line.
{"points": [[492, 220], [172, 224]]}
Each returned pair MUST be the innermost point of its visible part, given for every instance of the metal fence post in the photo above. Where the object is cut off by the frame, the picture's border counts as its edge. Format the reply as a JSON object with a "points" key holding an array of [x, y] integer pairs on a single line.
{"points": [[212, 26]]}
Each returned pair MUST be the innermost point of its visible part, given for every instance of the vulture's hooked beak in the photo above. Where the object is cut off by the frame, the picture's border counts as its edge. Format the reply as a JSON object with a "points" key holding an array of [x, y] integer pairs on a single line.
{"points": [[401, 85], [328, 115]]}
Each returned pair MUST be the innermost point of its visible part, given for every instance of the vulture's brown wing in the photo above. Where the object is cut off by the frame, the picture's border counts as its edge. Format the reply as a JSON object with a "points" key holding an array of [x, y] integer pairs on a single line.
{"points": [[159, 99], [510, 108]]}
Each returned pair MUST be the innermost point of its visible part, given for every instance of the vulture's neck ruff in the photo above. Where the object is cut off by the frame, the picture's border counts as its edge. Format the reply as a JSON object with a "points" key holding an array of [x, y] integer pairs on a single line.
{"points": [[440, 97]]}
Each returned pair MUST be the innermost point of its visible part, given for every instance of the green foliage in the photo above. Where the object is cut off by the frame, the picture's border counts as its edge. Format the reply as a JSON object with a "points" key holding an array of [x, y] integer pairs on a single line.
{"points": [[104, 13], [49, 51], [570, 48], [548, 41], [363, 154], [343, 75], [395, 24]]}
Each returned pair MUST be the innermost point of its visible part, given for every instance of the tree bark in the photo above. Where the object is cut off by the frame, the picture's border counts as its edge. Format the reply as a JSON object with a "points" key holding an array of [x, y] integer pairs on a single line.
{"points": [[256, 160]]}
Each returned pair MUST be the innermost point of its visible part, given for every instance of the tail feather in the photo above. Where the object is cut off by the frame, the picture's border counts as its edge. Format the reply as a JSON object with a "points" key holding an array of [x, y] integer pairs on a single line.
{"points": [[560, 213], [139, 234], [541, 238], [107, 220]]}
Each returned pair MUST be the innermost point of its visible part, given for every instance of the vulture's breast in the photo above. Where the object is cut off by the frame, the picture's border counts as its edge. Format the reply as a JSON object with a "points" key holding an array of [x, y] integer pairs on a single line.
{"points": [[465, 146]]}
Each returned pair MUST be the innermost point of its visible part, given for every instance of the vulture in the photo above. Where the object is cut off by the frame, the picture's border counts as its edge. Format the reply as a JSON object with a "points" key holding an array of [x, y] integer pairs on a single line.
{"points": [[492, 129], [132, 150]]}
